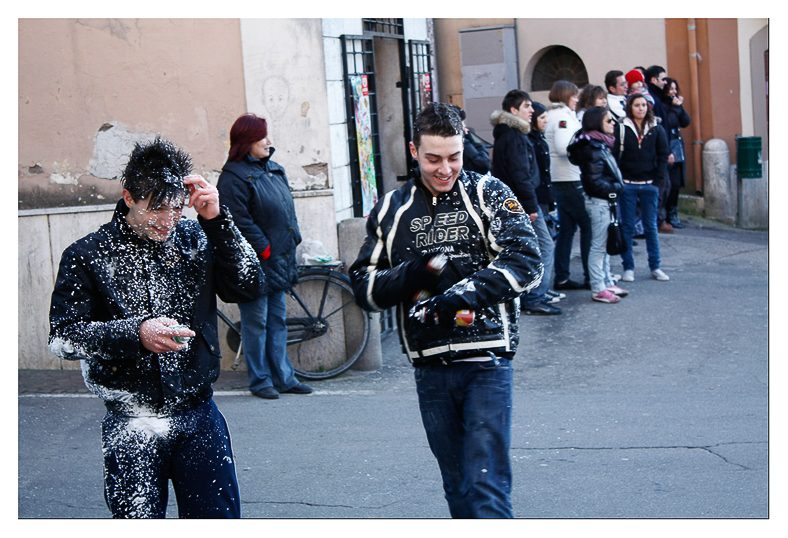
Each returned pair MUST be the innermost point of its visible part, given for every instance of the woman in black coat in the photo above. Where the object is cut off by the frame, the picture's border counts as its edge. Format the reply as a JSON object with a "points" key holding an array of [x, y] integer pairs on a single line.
{"points": [[642, 151], [602, 184], [676, 118], [257, 193], [544, 191]]}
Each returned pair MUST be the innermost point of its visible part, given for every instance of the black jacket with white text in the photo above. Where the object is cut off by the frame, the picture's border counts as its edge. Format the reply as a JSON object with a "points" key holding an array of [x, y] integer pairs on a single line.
{"points": [[493, 258], [112, 280]]}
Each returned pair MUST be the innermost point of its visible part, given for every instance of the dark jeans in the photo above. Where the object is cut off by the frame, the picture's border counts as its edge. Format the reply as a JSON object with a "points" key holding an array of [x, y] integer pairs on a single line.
{"points": [[570, 199], [676, 174], [264, 336], [191, 448], [664, 194], [466, 409], [647, 196], [546, 248]]}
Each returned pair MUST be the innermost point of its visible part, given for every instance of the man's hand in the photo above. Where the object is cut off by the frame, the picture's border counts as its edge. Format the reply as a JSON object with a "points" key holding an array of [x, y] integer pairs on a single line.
{"points": [[671, 159], [156, 335], [533, 216], [203, 196], [440, 310]]}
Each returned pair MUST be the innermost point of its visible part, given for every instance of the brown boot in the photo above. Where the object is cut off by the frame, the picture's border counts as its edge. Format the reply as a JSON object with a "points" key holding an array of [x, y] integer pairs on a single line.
{"points": [[666, 228]]}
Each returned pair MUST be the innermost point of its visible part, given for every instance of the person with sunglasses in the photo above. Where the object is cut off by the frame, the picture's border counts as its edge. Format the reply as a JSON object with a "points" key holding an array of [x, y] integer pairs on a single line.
{"points": [[602, 184]]}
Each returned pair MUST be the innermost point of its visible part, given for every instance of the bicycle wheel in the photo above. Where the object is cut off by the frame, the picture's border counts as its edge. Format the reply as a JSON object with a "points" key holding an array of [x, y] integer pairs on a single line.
{"points": [[326, 331]]}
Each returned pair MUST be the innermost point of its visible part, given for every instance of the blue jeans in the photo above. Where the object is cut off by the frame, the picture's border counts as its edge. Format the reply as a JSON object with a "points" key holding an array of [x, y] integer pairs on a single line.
{"points": [[648, 196], [191, 448], [546, 246], [598, 259], [570, 199], [264, 337], [466, 409]]}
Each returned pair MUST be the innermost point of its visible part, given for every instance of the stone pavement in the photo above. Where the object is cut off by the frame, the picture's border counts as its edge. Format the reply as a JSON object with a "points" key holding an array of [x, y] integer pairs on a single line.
{"points": [[656, 407]]}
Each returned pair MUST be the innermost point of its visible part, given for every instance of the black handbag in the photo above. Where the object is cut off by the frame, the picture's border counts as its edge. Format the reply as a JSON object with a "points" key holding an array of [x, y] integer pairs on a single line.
{"points": [[615, 235]]}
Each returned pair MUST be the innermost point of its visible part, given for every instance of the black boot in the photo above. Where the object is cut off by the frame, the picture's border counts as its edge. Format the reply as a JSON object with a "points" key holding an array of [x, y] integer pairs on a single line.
{"points": [[673, 218]]}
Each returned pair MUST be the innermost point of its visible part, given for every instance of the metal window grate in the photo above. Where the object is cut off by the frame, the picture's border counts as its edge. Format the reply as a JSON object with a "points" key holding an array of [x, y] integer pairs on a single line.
{"points": [[421, 76], [558, 63], [386, 27], [358, 53]]}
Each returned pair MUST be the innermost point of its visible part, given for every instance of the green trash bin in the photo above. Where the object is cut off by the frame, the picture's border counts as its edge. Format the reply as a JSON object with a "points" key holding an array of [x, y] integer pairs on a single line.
{"points": [[748, 156]]}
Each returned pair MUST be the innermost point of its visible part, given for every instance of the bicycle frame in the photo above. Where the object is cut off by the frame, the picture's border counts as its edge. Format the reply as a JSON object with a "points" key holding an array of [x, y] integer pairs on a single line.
{"points": [[300, 329], [309, 321]]}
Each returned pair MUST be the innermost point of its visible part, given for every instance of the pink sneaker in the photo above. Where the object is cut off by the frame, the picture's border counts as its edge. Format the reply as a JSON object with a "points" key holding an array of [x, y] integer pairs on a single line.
{"points": [[605, 296], [618, 291]]}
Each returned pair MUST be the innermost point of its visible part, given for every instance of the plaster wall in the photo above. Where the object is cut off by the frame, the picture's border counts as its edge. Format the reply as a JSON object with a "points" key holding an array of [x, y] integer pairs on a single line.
{"points": [[602, 44], [285, 82], [90, 88], [43, 236]]}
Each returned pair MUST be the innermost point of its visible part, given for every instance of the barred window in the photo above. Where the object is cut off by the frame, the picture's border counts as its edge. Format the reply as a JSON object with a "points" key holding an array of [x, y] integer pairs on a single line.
{"points": [[387, 27], [558, 63]]}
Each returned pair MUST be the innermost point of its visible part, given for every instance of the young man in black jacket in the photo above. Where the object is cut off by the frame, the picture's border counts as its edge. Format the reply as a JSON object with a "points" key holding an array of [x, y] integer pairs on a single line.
{"points": [[514, 163], [135, 301], [458, 325]]}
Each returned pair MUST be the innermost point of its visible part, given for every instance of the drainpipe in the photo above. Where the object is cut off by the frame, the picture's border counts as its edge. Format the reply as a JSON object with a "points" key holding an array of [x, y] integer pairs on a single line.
{"points": [[695, 59]]}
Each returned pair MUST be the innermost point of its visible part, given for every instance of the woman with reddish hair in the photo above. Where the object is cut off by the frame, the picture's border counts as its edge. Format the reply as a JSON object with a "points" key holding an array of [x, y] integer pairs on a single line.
{"points": [[256, 191]]}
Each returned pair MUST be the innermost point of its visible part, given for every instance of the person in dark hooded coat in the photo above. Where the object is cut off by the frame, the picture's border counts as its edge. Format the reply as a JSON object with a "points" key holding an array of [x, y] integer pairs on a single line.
{"points": [[257, 192], [515, 163], [474, 156]]}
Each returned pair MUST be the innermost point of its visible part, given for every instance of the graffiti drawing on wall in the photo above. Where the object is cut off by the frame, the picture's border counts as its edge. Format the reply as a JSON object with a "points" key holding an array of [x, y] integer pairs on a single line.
{"points": [[276, 96], [369, 191]]}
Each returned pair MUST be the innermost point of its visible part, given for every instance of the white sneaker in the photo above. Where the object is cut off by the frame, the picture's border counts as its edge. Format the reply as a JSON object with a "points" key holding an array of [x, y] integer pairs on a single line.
{"points": [[659, 274], [629, 276]]}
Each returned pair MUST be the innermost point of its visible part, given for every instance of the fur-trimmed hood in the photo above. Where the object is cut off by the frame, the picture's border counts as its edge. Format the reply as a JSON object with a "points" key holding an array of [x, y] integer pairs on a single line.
{"points": [[501, 117]]}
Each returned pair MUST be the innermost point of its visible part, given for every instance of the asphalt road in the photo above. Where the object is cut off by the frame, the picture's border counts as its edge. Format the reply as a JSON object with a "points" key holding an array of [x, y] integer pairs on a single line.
{"points": [[656, 407]]}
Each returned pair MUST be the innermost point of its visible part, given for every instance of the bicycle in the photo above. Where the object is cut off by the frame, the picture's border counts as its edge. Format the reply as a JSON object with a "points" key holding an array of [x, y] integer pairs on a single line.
{"points": [[326, 332]]}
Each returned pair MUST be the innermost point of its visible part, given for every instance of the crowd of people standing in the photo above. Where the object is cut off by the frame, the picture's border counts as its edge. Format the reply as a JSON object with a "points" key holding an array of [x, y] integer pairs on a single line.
{"points": [[588, 156]]}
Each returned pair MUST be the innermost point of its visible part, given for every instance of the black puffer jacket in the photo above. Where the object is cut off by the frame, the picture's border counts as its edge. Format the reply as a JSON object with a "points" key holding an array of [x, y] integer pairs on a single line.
{"points": [[112, 280], [599, 172], [676, 118], [544, 192], [258, 195], [493, 259], [514, 158], [474, 156], [643, 159]]}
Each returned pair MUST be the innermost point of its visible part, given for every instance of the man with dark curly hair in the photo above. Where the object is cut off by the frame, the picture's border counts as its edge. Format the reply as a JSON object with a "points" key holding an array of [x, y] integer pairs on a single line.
{"points": [[135, 302]]}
